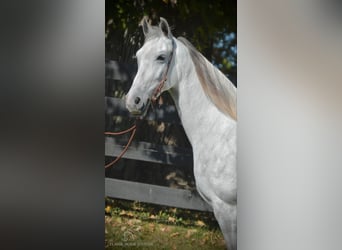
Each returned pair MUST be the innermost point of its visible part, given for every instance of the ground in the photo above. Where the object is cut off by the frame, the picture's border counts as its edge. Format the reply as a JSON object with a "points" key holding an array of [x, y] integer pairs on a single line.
{"points": [[133, 225]]}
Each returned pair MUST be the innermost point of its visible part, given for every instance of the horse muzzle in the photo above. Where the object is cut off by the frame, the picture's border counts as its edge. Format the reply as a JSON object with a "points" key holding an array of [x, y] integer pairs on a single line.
{"points": [[137, 107]]}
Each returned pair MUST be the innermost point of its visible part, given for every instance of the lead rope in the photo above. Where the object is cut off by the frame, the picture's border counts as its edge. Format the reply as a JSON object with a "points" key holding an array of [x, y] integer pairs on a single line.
{"points": [[133, 129]]}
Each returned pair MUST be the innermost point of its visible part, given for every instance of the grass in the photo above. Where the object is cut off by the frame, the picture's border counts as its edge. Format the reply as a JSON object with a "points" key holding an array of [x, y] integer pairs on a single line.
{"points": [[134, 225]]}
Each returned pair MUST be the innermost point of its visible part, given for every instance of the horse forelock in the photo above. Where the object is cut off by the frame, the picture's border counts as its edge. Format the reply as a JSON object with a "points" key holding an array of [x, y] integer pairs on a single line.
{"points": [[216, 86]]}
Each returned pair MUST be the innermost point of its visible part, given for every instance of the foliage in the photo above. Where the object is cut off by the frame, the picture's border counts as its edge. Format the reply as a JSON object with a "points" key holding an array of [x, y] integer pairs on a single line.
{"points": [[209, 25]]}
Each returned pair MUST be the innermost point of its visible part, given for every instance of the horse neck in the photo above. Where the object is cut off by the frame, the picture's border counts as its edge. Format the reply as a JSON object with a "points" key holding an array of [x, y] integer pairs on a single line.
{"points": [[197, 113]]}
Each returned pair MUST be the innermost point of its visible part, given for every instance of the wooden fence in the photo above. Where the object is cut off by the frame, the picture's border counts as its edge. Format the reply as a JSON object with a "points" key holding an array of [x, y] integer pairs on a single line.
{"points": [[117, 73]]}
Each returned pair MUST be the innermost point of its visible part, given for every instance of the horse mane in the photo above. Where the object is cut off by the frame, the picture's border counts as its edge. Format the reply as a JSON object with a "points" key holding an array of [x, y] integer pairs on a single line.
{"points": [[218, 88]]}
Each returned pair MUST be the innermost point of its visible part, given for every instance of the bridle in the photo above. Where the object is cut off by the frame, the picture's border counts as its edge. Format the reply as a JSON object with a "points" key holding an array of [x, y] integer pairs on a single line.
{"points": [[155, 95], [157, 91]]}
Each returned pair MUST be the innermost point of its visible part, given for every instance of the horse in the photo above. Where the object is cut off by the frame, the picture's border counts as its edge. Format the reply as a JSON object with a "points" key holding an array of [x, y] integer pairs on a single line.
{"points": [[206, 103]]}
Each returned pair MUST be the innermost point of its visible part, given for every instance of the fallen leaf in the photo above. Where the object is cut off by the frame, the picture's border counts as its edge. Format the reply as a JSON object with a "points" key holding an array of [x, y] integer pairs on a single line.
{"points": [[190, 232], [174, 234], [107, 209], [171, 219], [205, 239], [165, 229], [108, 219], [129, 214], [133, 221], [200, 223]]}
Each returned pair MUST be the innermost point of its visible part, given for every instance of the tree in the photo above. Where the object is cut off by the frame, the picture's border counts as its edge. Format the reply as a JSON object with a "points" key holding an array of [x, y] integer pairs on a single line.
{"points": [[210, 26]]}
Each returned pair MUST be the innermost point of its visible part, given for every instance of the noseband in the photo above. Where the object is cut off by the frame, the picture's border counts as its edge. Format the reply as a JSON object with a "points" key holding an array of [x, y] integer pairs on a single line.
{"points": [[160, 86]]}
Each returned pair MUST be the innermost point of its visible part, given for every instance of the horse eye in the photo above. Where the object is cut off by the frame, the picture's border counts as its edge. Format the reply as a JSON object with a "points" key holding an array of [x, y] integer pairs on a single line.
{"points": [[161, 58]]}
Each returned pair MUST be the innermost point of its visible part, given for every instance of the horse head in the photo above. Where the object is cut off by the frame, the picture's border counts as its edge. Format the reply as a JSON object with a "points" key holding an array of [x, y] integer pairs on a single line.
{"points": [[154, 65]]}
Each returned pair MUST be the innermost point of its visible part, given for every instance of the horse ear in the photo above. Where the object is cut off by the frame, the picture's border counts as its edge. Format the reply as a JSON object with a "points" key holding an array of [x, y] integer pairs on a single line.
{"points": [[145, 26], [164, 26]]}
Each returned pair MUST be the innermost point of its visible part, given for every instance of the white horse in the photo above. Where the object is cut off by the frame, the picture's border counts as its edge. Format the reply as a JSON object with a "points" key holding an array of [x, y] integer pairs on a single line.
{"points": [[206, 103]]}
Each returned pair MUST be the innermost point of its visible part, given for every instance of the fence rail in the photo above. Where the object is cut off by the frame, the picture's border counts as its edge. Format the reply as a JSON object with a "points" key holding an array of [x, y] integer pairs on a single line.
{"points": [[144, 151], [155, 194], [166, 113]]}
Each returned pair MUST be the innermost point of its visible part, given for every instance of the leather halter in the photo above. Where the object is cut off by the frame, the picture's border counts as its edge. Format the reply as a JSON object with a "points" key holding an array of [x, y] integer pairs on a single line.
{"points": [[160, 86]]}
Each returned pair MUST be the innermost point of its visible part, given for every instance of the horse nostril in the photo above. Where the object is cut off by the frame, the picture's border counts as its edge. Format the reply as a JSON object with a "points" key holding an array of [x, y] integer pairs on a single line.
{"points": [[137, 100]]}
